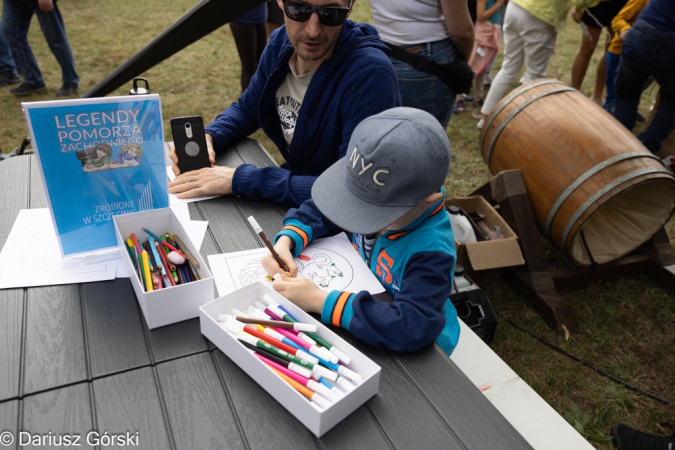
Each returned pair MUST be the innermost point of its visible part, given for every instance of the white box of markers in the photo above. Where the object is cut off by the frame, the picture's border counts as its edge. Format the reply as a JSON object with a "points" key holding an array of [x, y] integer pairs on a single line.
{"points": [[317, 419], [176, 303]]}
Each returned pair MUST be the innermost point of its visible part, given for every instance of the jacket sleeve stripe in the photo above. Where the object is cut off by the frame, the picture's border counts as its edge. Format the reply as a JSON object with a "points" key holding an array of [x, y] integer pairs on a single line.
{"points": [[300, 232], [339, 308]]}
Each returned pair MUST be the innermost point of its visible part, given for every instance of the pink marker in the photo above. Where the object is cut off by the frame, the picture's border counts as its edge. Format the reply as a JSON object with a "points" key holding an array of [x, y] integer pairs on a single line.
{"points": [[308, 382]]}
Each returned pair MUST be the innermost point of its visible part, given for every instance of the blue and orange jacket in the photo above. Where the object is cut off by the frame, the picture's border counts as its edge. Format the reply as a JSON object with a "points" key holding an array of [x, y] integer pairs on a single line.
{"points": [[357, 81], [414, 264]]}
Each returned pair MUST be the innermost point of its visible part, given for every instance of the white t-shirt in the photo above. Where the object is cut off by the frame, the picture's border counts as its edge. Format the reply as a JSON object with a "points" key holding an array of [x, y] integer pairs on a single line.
{"points": [[289, 99], [406, 22]]}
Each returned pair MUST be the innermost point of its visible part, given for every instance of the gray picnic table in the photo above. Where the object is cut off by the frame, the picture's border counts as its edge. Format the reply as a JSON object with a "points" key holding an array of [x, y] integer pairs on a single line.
{"points": [[80, 358]]}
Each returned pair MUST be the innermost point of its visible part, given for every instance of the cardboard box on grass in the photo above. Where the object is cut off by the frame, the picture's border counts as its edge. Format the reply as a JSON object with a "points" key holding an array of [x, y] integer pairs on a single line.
{"points": [[316, 419], [484, 260], [176, 303]]}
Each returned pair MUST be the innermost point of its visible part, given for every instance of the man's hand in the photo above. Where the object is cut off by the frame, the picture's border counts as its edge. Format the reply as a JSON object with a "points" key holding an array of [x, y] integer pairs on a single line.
{"points": [[46, 5], [283, 248], [174, 156], [576, 16], [216, 180], [307, 295]]}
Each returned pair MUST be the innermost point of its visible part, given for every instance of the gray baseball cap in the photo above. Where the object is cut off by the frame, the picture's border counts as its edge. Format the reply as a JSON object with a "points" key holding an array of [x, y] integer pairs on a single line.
{"points": [[395, 159]]}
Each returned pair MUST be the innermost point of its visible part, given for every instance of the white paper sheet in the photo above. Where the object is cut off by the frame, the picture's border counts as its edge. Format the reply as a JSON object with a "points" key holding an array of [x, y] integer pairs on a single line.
{"points": [[331, 263], [31, 256]]}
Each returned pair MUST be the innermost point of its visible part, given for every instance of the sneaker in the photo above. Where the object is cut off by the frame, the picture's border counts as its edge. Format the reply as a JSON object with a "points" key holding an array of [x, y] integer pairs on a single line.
{"points": [[67, 90], [627, 438], [487, 81], [480, 123], [9, 78], [27, 88]]}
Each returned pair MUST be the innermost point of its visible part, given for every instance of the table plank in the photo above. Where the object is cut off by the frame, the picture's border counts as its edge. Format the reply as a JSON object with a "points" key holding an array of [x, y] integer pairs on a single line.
{"points": [[65, 411], [14, 195], [199, 412], [460, 407], [114, 328], [38, 199], [176, 340], [9, 413], [265, 422], [130, 402], [54, 353], [11, 329]]}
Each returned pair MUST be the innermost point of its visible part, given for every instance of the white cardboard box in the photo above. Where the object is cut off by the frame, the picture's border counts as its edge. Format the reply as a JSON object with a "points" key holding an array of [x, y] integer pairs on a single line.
{"points": [[175, 303], [316, 419]]}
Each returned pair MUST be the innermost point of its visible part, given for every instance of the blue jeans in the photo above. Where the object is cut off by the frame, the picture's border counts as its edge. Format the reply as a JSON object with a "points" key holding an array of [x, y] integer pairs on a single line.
{"points": [[7, 63], [612, 63], [646, 51], [16, 18], [423, 90]]}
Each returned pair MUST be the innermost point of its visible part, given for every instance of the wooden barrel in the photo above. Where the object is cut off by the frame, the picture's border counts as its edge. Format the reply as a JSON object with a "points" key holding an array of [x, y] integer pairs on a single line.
{"points": [[596, 192]]}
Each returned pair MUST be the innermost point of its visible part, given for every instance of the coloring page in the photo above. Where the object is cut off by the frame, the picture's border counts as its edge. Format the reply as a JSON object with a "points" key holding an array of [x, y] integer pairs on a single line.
{"points": [[331, 263]]}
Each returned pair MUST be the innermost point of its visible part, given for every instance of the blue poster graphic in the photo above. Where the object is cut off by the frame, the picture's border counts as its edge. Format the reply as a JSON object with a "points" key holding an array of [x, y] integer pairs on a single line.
{"points": [[99, 158]]}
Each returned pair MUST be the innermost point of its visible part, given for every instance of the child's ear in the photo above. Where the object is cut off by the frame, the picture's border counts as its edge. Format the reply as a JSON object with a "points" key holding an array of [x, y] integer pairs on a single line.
{"points": [[433, 198]]}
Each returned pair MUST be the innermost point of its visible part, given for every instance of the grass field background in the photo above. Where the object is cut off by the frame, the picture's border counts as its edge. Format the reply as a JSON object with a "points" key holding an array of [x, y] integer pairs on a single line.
{"points": [[627, 328]]}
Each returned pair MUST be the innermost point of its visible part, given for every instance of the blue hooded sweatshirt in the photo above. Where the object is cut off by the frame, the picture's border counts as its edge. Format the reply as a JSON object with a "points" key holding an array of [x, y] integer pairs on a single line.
{"points": [[357, 81]]}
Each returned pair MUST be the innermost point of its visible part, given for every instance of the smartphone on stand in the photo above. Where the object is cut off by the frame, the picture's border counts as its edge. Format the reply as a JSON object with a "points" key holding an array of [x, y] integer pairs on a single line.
{"points": [[190, 142]]}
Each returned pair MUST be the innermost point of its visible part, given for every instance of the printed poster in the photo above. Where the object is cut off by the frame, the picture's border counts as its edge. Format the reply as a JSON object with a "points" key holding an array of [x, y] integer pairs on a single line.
{"points": [[99, 158]]}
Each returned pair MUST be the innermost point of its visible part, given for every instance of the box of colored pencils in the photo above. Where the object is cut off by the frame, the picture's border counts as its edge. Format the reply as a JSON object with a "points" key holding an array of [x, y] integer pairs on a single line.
{"points": [[167, 273], [316, 375]]}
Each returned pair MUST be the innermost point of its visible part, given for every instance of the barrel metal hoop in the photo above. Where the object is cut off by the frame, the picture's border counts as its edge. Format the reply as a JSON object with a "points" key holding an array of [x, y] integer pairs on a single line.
{"points": [[513, 113], [584, 177], [582, 209], [506, 102]]}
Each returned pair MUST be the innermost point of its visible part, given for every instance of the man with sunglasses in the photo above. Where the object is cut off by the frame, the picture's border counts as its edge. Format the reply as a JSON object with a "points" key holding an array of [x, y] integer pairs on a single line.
{"points": [[319, 76]]}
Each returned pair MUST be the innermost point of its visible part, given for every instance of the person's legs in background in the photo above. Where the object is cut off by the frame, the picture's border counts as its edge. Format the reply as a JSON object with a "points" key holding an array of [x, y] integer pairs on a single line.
{"points": [[275, 16], [646, 52], [425, 91], [16, 18], [580, 65], [539, 39], [250, 40], [8, 73], [514, 55], [54, 31], [612, 64]]}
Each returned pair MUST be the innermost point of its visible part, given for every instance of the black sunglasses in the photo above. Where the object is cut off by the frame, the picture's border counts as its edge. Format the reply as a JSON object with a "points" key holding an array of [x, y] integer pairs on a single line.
{"points": [[330, 16]]}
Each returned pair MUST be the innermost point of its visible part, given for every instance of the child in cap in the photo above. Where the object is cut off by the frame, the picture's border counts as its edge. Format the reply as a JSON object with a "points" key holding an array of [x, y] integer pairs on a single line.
{"points": [[388, 192]]}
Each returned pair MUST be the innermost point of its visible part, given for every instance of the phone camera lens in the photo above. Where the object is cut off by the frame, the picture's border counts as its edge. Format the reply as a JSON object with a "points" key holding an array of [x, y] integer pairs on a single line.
{"points": [[187, 125]]}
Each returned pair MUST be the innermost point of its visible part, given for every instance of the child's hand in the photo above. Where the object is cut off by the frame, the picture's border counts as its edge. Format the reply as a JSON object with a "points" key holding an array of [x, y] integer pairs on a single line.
{"points": [[283, 248], [307, 295]]}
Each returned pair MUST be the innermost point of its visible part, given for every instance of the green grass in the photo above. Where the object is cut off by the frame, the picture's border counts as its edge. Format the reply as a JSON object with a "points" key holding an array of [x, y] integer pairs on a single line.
{"points": [[627, 328]]}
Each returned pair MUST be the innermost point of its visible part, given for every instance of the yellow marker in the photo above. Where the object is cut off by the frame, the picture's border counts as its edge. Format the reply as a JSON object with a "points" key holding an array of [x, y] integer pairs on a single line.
{"points": [[146, 271]]}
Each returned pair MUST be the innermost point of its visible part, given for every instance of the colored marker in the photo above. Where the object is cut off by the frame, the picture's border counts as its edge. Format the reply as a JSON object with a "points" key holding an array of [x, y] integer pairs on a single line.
{"points": [[318, 371], [297, 368], [242, 335], [344, 384], [313, 396], [307, 382], [276, 308], [259, 231], [266, 311], [280, 324]]}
